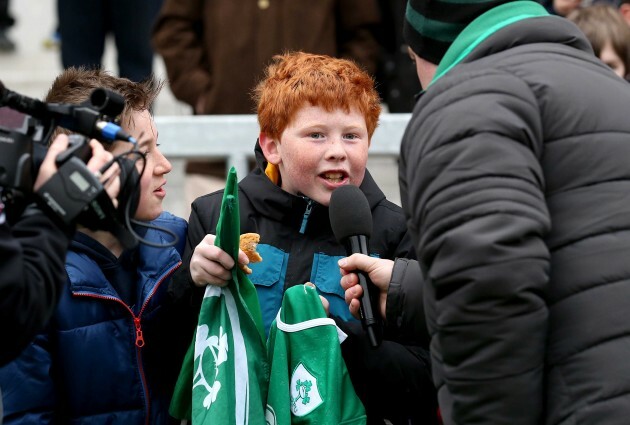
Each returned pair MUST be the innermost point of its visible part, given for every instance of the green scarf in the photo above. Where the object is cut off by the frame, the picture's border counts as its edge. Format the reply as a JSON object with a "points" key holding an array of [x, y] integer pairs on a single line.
{"points": [[483, 27], [225, 374]]}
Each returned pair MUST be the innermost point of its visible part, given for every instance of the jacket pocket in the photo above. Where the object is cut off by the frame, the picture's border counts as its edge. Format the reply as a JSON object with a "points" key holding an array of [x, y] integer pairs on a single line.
{"points": [[326, 276], [268, 276]]}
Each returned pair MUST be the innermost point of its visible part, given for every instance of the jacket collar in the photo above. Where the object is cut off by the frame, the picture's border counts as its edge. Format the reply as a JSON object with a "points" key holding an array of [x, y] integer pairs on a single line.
{"points": [[506, 26], [87, 256]]}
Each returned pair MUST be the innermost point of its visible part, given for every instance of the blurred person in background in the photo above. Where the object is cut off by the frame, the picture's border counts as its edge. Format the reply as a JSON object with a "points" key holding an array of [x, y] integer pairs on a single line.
{"points": [[84, 26], [215, 53], [608, 34], [624, 10], [6, 22], [562, 7], [396, 77]]}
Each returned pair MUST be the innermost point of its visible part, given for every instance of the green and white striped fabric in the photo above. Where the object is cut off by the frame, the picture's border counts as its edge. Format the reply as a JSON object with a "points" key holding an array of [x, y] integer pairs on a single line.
{"points": [[226, 363]]}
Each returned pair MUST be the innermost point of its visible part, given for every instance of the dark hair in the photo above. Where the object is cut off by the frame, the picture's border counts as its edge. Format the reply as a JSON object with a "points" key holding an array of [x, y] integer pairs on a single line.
{"points": [[74, 86]]}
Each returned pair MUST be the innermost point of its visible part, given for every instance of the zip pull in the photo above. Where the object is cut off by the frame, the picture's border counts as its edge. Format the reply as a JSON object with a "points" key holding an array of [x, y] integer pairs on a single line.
{"points": [[139, 337], [307, 212]]}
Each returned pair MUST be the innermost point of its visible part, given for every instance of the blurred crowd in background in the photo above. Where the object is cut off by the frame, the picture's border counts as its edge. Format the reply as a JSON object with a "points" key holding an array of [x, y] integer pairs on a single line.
{"points": [[371, 34], [215, 52]]}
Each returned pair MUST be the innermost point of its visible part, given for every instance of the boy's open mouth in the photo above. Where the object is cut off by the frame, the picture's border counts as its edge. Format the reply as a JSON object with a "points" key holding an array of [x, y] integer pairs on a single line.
{"points": [[334, 177]]}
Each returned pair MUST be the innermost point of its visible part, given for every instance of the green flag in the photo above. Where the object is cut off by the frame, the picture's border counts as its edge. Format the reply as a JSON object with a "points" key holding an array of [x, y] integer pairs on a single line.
{"points": [[309, 382], [225, 372]]}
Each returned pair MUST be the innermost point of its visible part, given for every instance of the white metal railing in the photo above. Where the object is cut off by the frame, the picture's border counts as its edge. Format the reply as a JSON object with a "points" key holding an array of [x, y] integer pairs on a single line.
{"points": [[233, 137]]}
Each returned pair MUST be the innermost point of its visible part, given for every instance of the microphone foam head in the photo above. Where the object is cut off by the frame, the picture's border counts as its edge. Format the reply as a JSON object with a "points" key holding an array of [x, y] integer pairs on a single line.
{"points": [[349, 213]]}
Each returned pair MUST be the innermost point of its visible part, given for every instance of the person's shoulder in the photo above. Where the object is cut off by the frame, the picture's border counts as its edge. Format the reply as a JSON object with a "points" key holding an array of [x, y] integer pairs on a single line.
{"points": [[171, 220], [176, 224], [376, 198], [390, 206], [387, 209], [208, 200], [82, 269]]}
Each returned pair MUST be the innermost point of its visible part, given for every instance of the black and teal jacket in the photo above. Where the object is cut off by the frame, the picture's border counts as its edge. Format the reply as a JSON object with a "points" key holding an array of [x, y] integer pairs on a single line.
{"points": [[296, 241], [297, 245]]}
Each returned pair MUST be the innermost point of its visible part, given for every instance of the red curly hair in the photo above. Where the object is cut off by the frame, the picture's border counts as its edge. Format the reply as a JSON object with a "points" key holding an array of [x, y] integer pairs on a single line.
{"points": [[296, 78]]}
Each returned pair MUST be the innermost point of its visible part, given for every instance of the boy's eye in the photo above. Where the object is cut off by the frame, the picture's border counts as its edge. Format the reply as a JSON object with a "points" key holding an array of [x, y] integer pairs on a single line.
{"points": [[351, 136], [316, 135]]}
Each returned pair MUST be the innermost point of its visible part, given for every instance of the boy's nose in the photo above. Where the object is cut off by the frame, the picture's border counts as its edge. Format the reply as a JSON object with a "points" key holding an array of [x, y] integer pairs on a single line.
{"points": [[336, 149], [163, 165]]}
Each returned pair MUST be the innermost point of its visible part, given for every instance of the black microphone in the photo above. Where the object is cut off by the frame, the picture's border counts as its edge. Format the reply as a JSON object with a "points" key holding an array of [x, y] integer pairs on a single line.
{"points": [[351, 222], [73, 117]]}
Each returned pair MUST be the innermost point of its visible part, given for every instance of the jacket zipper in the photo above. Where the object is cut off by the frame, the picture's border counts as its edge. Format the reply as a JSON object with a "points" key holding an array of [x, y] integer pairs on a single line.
{"points": [[307, 213], [138, 325]]}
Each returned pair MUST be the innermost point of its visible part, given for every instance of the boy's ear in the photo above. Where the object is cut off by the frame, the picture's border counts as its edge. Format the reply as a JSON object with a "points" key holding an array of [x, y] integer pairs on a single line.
{"points": [[270, 148]]}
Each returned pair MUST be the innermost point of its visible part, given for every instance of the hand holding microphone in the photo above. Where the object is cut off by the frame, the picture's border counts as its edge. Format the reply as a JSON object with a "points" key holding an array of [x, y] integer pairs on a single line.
{"points": [[379, 271], [351, 222]]}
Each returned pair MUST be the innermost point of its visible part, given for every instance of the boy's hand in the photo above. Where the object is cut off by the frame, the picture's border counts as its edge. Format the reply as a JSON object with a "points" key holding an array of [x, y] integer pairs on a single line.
{"points": [[325, 304], [324, 301], [378, 270], [210, 265]]}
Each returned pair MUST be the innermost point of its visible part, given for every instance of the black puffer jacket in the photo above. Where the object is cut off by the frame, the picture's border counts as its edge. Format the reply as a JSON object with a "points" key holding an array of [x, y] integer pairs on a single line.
{"points": [[515, 172], [32, 275]]}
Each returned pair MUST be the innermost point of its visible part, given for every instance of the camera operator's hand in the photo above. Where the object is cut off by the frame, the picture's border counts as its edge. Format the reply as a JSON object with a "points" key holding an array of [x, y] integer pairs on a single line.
{"points": [[100, 157], [379, 271]]}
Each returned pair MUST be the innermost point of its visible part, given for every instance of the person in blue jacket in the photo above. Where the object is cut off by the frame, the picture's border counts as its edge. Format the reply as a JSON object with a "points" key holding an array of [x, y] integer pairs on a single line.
{"points": [[110, 353]]}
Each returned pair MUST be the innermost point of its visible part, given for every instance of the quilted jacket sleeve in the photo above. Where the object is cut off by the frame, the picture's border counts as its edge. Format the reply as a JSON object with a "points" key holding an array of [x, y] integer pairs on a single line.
{"points": [[476, 207], [32, 254], [405, 321]]}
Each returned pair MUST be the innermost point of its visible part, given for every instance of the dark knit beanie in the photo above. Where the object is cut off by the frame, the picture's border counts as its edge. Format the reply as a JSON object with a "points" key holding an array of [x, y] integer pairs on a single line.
{"points": [[431, 26]]}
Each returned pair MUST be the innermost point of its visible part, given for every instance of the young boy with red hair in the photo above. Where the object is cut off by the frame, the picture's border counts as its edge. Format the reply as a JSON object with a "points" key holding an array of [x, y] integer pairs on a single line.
{"points": [[317, 115]]}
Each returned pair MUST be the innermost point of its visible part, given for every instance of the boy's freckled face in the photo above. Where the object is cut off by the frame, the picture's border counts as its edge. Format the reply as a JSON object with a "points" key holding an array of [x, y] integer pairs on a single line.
{"points": [[320, 151]]}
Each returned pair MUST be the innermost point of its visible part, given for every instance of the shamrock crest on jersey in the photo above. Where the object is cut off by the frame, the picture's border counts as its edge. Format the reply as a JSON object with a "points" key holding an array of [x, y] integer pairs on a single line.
{"points": [[305, 395], [218, 347]]}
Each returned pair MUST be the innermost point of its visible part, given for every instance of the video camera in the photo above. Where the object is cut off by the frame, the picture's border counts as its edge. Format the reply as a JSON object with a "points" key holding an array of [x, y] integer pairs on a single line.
{"points": [[73, 194]]}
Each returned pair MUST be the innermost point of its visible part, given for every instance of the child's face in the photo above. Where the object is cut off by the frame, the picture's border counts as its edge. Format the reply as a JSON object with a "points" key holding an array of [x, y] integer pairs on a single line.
{"points": [[612, 59], [152, 182], [564, 7], [320, 151]]}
